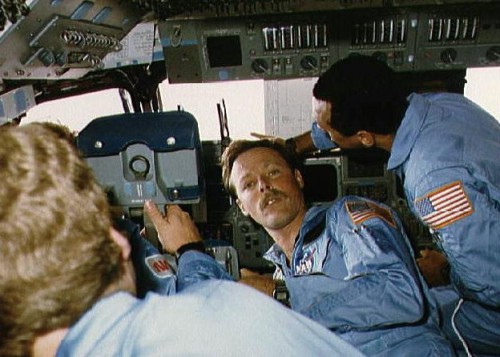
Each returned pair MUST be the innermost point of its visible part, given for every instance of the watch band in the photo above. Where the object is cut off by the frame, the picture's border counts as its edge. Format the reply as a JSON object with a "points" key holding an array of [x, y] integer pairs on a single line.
{"points": [[280, 292], [198, 246]]}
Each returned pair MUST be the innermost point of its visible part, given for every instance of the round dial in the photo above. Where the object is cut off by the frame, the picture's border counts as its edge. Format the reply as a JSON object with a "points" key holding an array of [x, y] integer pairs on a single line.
{"points": [[493, 54], [260, 65], [449, 55], [309, 63]]}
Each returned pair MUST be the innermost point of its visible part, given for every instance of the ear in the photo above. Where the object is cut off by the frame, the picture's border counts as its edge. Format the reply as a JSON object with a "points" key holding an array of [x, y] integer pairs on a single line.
{"points": [[299, 178], [240, 205], [122, 243], [366, 138]]}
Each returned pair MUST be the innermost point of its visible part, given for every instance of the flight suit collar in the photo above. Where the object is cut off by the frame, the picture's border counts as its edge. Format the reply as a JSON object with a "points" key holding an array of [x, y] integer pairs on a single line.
{"points": [[408, 131], [313, 225]]}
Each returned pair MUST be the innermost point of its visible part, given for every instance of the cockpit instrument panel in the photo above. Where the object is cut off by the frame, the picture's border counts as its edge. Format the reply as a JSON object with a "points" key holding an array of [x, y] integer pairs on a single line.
{"points": [[304, 44], [61, 39]]}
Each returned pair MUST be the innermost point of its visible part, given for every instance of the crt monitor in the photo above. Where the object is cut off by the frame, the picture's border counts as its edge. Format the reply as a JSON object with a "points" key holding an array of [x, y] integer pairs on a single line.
{"points": [[322, 179], [224, 51]]}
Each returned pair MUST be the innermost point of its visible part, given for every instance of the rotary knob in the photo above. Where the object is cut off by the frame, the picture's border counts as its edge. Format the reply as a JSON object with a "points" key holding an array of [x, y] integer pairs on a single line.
{"points": [[493, 54], [379, 55], [309, 63], [140, 166], [260, 65], [46, 57], [449, 55]]}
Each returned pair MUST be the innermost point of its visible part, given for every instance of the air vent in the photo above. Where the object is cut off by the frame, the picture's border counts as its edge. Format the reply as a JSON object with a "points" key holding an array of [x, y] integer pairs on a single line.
{"points": [[452, 28], [382, 31], [288, 37]]}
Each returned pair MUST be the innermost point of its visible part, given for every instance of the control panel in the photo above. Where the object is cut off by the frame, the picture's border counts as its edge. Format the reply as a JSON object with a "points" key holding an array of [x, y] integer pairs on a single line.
{"points": [[459, 37], [294, 45], [59, 39], [218, 40], [250, 240], [195, 9]]}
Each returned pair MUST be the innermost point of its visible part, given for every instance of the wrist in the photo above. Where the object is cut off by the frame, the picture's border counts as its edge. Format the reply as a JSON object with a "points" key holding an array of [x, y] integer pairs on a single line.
{"points": [[281, 293], [198, 246]]}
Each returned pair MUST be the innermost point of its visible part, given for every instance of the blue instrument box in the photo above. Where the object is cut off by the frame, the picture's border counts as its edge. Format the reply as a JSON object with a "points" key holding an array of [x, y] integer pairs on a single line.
{"points": [[139, 156]]}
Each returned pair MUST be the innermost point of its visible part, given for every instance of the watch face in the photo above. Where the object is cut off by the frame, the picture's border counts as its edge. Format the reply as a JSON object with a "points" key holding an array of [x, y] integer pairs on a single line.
{"points": [[280, 293]]}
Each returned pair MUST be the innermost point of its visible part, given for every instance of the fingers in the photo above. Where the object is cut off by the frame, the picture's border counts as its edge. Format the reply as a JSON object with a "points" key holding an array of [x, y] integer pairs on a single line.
{"points": [[153, 212], [173, 210], [276, 139], [258, 135], [263, 136], [175, 228], [247, 272]]}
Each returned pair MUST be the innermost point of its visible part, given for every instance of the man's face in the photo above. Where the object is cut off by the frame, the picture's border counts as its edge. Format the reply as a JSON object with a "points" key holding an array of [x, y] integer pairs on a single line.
{"points": [[267, 189], [322, 113]]}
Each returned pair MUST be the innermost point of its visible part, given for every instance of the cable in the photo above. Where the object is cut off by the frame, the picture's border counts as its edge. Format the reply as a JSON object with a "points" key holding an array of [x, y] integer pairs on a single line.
{"points": [[462, 340]]}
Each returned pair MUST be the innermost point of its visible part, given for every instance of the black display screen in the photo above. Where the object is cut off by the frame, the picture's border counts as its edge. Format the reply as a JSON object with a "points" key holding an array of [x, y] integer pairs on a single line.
{"points": [[366, 163], [360, 170], [320, 183], [224, 51]]}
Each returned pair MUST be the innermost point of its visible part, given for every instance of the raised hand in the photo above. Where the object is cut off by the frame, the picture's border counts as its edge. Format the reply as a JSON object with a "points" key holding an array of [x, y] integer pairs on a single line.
{"points": [[175, 228]]}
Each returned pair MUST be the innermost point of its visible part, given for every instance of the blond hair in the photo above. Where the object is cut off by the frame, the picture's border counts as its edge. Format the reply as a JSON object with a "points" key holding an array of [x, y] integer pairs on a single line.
{"points": [[57, 257]]}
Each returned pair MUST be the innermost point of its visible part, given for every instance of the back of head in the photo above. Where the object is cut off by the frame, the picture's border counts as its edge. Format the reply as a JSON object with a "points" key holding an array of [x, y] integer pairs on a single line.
{"points": [[57, 256], [238, 147], [365, 95]]}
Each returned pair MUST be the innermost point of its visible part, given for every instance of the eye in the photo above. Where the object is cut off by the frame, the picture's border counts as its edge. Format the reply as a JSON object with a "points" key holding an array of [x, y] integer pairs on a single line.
{"points": [[274, 173], [248, 185]]}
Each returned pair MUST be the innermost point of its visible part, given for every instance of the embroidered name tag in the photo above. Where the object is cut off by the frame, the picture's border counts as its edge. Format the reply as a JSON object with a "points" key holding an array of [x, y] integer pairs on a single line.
{"points": [[446, 205], [360, 211]]}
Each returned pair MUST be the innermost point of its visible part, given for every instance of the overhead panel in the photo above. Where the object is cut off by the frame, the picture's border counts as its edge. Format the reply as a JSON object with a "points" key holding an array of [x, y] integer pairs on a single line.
{"points": [[54, 39], [459, 37], [297, 44]]}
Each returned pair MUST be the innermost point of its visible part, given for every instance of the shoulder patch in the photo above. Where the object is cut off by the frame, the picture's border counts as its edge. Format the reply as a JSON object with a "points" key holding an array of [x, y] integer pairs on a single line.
{"points": [[442, 207], [159, 266], [360, 211]]}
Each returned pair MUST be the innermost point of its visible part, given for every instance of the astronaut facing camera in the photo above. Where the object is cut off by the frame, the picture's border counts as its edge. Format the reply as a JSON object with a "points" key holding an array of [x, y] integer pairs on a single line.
{"points": [[139, 157]]}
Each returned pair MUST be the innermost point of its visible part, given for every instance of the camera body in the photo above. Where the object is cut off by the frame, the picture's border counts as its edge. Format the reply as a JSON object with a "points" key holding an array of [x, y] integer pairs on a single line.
{"points": [[140, 156]]}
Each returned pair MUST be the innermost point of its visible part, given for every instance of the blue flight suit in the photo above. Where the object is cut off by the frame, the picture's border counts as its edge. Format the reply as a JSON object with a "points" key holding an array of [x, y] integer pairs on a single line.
{"points": [[352, 270], [446, 151], [210, 318], [153, 271], [159, 273]]}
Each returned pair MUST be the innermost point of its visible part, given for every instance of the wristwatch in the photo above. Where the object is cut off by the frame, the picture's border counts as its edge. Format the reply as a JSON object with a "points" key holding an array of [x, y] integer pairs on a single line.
{"points": [[281, 293], [198, 246]]}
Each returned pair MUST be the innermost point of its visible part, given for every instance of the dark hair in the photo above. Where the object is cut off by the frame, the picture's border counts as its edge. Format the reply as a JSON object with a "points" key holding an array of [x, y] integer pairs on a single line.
{"points": [[365, 95], [238, 147]]}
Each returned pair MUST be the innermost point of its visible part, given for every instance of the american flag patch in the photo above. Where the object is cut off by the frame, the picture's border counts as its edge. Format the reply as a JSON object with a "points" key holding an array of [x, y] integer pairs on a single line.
{"points": [[444, 206], [360, 211]]}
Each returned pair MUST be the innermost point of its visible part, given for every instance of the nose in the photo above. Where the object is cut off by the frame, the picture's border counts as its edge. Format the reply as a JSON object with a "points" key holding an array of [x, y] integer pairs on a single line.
{"points": [[264, 184]]}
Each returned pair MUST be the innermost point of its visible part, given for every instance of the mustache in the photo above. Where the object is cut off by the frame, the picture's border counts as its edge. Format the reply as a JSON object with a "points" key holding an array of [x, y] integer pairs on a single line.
{"points": [[270, 195]]}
